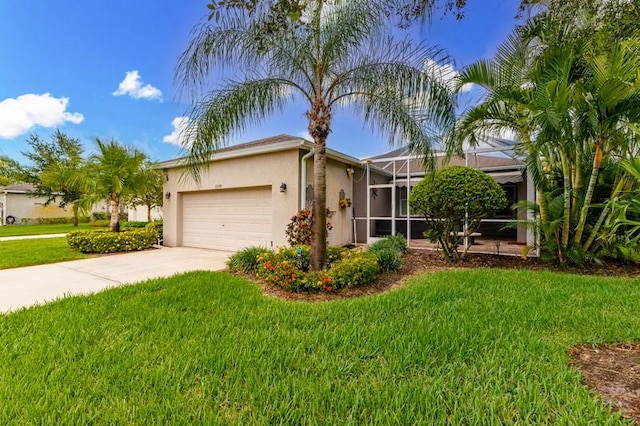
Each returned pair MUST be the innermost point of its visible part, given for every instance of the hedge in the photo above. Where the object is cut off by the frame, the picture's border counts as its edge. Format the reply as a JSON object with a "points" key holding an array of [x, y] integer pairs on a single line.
{"points": [[102, 241]]}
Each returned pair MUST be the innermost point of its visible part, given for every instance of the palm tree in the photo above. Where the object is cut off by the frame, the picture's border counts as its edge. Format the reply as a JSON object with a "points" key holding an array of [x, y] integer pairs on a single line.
{"points": [[570, 103], [116, 174], [343, 57]]}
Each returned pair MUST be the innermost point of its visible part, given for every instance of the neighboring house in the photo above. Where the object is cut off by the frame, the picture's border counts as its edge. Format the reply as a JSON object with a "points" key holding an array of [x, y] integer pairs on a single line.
{"points": [[17, 204], [249, 192], [139, 213]]}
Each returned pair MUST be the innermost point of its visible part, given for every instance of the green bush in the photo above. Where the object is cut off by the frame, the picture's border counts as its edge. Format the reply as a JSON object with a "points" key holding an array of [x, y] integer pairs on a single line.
{"points": [[58, 220], [356, 268], [389, 259], [134, 225], [99, 224], [101, 241], [246, 260], [100, 216], [155, 227], [451, 197], [395, 242]]}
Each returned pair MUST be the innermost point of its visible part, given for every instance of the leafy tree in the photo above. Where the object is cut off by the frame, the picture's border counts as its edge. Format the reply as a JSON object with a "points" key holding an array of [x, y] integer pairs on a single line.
{"points": [[282, 15], [58, 171], [150, 194], [10, 171], [117, 174], [343, 57], [453, 201]]}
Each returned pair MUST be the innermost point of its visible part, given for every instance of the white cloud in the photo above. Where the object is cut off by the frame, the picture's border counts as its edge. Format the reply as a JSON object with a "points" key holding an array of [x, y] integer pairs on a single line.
{"points": [[181, 133], [305, 135], [447, 73], [19, 115], [132, 86]]}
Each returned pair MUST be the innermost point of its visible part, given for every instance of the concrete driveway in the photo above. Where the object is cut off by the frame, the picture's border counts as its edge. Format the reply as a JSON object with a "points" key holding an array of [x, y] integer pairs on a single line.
{"points": [[23, 287]]}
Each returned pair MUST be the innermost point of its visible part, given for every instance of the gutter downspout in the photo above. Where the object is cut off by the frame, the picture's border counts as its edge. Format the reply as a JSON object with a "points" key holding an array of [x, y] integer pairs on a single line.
{"points": [[303, 178]]}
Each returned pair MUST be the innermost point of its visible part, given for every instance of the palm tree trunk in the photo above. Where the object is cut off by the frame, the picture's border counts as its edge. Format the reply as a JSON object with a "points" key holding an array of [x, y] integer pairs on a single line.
{"points": [[597, 158], [603, 215], [319, 207], [75, 209], [566, 215], [115, 207]]}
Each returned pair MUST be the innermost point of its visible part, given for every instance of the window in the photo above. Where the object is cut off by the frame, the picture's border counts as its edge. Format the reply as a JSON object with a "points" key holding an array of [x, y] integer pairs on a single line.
{"points": [[511, 192]]}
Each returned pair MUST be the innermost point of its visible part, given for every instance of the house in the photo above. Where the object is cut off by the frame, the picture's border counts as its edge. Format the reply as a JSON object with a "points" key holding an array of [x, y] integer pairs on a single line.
{"points": [[248, 194], [18, 206]]}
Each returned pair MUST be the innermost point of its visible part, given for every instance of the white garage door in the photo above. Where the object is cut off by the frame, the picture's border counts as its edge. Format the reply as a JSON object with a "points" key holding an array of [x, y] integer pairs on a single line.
{"points": [[227, 219]]}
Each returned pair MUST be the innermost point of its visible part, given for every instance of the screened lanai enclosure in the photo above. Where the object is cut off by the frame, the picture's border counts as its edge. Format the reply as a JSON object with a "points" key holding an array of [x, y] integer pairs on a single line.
{"points": [[381, 198]]}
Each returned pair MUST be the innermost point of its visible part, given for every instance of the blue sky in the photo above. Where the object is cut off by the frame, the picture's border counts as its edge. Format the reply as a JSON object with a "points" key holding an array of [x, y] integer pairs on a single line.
{"points": [[105, 69]]}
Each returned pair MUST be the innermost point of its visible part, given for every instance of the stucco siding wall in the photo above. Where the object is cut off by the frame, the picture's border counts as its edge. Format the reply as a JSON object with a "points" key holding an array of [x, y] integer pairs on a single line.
{"points": [[269, 169], [23, 206]]}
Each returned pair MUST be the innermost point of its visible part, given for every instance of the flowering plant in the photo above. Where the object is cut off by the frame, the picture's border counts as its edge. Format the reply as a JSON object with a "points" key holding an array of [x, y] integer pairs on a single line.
{"points": [[299, 229], [344, 203]]}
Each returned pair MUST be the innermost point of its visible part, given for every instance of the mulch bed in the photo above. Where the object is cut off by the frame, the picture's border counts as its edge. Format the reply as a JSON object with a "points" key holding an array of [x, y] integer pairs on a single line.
{"points": [[611, 370]]}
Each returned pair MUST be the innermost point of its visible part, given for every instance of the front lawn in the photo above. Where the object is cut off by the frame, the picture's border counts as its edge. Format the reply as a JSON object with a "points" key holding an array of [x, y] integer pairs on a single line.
{"points": [[37, 251], [58, 228], [458, 347]]}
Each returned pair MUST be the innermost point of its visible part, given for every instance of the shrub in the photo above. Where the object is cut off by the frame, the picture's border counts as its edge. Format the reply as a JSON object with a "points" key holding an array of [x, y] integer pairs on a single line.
{"points": [[276, 269], [389, 259], [57, 220], [394, 242], [356, 268], [99, 224], [100, 216], [450, 197], [289, 268], [246, 260], [100, 241], [316, 281], [299, 229], [155, 227], [134, 225]]}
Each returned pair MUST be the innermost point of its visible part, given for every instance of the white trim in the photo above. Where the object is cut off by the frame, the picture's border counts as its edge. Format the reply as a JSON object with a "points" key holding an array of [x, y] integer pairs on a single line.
{"points": [[262, 149]]}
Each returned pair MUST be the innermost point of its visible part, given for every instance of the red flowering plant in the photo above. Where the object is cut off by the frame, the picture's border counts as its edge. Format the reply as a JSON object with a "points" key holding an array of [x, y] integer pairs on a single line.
{"points": [[299, 229], [277, 270]]}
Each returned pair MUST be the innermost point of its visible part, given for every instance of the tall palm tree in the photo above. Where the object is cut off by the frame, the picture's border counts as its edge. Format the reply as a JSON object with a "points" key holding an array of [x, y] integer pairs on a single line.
{"points": [[116, 174], [343, 57]]}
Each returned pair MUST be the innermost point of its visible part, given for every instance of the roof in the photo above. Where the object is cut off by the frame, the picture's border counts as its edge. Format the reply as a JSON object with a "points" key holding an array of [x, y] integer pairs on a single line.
{"points": [[482, 162], [21, 188], [262, 146]]}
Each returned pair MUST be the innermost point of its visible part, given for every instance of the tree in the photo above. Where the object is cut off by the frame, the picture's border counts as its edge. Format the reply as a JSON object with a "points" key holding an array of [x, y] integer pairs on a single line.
{"points": [[10, 171], [282, 15], [116, 175], [58, 171], [150, 194], [343, 57], [571, 102], [453, 201]]}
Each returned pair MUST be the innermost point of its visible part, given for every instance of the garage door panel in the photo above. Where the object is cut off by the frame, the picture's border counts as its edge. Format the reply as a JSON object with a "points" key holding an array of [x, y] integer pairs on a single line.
{"points": [[227, 220]]}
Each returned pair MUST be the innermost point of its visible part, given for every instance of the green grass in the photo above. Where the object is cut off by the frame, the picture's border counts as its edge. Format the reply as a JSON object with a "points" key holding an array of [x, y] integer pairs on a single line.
{"points": [[458, 347], [60, 228], [37, 251]]}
